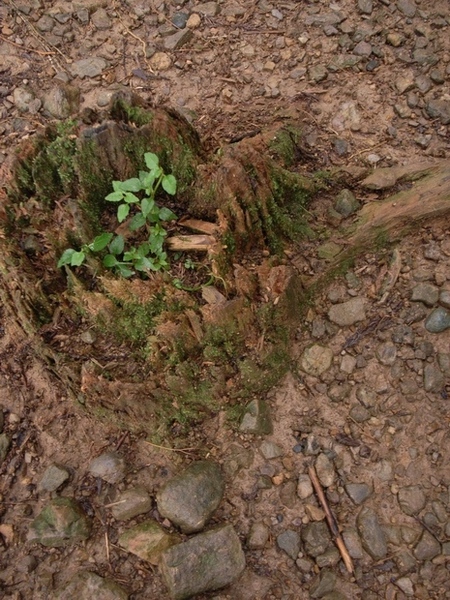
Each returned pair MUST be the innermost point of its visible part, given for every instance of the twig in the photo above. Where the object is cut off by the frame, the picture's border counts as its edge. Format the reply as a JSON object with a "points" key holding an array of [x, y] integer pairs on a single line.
{"points": [[331, 521], [107, 545], [26, 48], [122, 439], [364, 150], [182, 450]]}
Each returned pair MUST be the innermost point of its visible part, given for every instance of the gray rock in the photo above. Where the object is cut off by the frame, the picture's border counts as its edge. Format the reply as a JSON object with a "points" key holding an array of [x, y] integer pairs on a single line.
{"points": [[406, 585], [407, 7], [427, 548], [403, 334], [362, 49], [337, 392], [60, 523], [437, 76], [25, 100], [270, 450], [5, 442], [359, 413], [444, 298], [180, 19], [100, 19], [325, 470], [335, 595], [316, 360], [256, 418], [411, 499], [371, 533], [423, 83], [208, 9], [346, 203], [88, 67], [45, 24], [304, 487], [62, 101], [178, 39], [289, 541], [386, 353], [191, 498], [258, 536], [353, 543], [425, 57], [426, 293], [53, 478], [316, 538], [366, 396], [348, 313], [329, 558], [317, 73], [147, 540], [439, 109], [322, 584], [205, 562], [365, 6], [90, 585], [438, 320], [343, 61], [433, 378], [131, 503], [405, 82], [358, 492], [406, 562], [109, 466], [329, 18]]}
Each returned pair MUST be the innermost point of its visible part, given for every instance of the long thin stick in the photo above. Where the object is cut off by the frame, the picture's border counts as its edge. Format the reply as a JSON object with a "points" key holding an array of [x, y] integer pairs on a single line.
{"points": [[331, 520]]}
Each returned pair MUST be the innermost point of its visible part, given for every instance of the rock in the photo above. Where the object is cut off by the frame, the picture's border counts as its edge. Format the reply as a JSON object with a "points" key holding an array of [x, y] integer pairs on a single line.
{"points": [[205, 562], [322, 584], [178, 39], [328, 250], [346, 203], [86, 584], [194, 21], [405, 82], [433, 378], [316, 538], [191, 498], [160, 61], [348, 313], [395, 39], [109, 466], [329, 18], [180, 19], [325, 470], [62, 101], [407, 7], [289, 541], [365, 6], [60, 523], [439, 109], [426, 293], [438, 320], [358, 492], [335, 595], [5, 442], [147, 540], [45, 24], [427, 548], [316, 360], [208, 9], [411, 499], [353, 543], [362, 49], [25, 100], [100, 19], [131, 503], [406, 585], [444, 298], [88, 67], [371, 533], [256, 418], [359, 413], [386, 353], [258, 536], [53, 478], [304, 487], [317, 73], [329, 558], [270, 450]]}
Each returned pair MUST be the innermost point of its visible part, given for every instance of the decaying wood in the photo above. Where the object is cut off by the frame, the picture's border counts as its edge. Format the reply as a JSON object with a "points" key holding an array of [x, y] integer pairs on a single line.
{"points": [[201, 226], [191, 243], [331, 520]]}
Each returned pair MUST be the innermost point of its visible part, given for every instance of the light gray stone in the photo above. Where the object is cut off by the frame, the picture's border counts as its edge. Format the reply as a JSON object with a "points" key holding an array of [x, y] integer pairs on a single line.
{"points": [[86, 584], [131, 503], [411, 499], [349, 312], [270, 450], [426, 293], [407, 7], [109, 466], [325, 470], [289, 541], [88, 67], [438, 320], [316, 359], [371, 533], [60, 523], [346, 203], [147, 540], [427, 548], [433, 378], [54, 476], [256, 418], [316, 538], [358, 492], [304, 487], [258, 536]]}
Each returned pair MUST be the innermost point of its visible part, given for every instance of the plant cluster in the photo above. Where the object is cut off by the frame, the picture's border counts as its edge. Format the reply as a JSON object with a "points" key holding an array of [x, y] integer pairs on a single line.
{"points": [[138, 193]]}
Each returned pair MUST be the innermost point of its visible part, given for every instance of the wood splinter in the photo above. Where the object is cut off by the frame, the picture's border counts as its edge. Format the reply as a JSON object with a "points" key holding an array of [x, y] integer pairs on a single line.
{"points": [[331, 521]]}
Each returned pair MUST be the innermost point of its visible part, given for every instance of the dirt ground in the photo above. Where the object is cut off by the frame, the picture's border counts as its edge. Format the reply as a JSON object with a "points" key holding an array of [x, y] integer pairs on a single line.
{"points": [[374, 82]]}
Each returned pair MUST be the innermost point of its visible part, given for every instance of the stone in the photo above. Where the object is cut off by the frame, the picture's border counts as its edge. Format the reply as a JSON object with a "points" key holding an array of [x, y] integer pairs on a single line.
{"points": [[109, 466], [316, 538], [317, 73], [358, 492], [256, 418], [433, 378], [194, 21], [5, 443], [438, 320], [426, 293], [178, 39], [323, 583], [131, 503], [208, 9], [270, 450], [406, 585], [45, 24], [100, 19], [411, 499], [427, 548], [353, 544], [337, 392], [407, 7], [25, 100], [206, 562], [439, 109], [328, 250], [405, 82], [359, 413], [329, 558], [180, 19], [147, 540], [258, 536], [316, 360], [371, 533], [88, 67], [348, 313], [54, 476], [190, 499], [395, 39], [386, 353], [365, 7], [304, 487], [444, 298], [289, 541], [62, 101], [60, 523], [325, 470], [348, 364], [346, 203], [160, 61], [86, 584], [362, 49]]}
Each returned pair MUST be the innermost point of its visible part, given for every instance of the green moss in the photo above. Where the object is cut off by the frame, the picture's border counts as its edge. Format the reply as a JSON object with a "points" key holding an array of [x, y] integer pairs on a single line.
{"points": [[284, 145], [129, 113]]}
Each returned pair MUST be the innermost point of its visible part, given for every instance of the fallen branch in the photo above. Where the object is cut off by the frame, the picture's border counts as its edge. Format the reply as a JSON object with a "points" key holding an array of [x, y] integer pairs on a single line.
{"points": [[331, 520], [196, 243]]}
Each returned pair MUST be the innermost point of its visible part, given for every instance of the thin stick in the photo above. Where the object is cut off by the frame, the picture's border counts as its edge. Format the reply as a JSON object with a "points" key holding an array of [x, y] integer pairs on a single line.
{"points": [[183, 450], [331, 520], [107, 545]]}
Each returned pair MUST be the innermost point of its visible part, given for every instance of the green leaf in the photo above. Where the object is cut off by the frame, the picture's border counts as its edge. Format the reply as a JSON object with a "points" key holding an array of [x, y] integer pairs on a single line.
{"points": [[130, 255], [125, 271], [77, 258], [132, 185], [100, 242], [137, 221], [147, 179], [110, 261], [114, 196], [144, 264], [130, 198], [169, 184], [117, 186], [151, 160], [147, 206], [165, 214], [117, 245], [122, 212], [66, 257], [143, 249]]}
